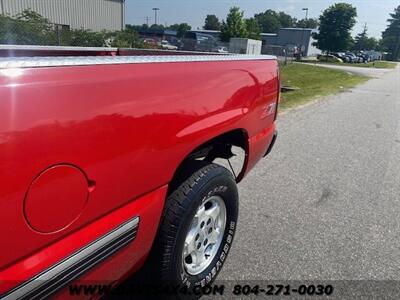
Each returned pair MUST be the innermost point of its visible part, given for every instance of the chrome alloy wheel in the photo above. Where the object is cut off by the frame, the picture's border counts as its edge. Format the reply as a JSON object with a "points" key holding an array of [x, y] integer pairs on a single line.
{"points": [[204, 236]]}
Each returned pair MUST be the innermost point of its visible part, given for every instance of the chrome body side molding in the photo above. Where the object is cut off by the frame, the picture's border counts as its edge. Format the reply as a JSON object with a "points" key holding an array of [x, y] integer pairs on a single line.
{"points": [[60, 274]]}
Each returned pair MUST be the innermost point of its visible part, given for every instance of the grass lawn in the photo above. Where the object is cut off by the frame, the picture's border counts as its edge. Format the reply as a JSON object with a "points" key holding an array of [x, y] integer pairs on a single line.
{"points": [[314, 82], [377, 64]]}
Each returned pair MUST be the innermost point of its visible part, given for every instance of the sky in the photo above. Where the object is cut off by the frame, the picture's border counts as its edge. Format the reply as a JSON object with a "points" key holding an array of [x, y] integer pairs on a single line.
{"points": [[373, 12]]}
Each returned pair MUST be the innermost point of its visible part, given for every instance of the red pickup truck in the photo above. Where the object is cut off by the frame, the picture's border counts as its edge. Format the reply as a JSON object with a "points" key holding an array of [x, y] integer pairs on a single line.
{"points": [[107, 160]]}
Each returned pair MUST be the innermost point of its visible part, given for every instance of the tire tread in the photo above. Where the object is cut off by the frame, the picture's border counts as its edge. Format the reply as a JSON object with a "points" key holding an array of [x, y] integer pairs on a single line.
{"points": [[175, 207]]}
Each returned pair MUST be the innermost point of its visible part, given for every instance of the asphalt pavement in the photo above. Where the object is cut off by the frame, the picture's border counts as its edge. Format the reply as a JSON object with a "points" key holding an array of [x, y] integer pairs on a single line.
{"points": [[325, 204]]}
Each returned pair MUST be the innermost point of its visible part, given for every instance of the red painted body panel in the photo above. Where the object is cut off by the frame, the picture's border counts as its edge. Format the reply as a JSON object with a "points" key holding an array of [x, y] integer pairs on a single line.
{"points": [[68, 186], [127, 127], [148, 208]]}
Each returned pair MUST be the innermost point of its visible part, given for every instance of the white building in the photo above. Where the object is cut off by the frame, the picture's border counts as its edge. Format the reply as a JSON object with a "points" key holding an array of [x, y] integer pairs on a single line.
{"points": [[95, 15]]}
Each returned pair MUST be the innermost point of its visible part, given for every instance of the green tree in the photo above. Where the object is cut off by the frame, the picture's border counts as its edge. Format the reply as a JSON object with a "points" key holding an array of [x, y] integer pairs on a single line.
{"points": [[363, 42], [27, 28], [157, 27], [379, 46], [31, 28], [84, 38], [180, 29], [360, 40], [234, 26], [125, 39], [272, 21], [253, 29], [307, 23], [336, 23], [36, 29], [212, 23], [285, 20], [268, 21], [391, 36], [371, 44], [137, 27], [7, 30]]}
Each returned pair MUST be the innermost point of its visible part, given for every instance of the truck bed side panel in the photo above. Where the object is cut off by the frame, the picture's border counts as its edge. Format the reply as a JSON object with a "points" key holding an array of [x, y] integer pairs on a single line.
{"points": [[127, 127]]}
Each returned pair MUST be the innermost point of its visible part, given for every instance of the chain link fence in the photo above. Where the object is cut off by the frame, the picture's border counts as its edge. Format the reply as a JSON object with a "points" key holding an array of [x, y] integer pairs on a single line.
{"points": [[30, 28], [285, 55]]}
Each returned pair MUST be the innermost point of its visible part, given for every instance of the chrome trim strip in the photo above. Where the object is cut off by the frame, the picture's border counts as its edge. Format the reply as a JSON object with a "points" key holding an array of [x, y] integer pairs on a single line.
{"points": [[55, 48], [71, 267], [59, 61]]}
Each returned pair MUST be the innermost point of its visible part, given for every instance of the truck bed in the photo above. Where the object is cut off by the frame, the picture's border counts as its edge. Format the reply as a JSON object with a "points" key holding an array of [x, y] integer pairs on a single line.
{"points": [[45, 56], [34, 51], [115, 125]]}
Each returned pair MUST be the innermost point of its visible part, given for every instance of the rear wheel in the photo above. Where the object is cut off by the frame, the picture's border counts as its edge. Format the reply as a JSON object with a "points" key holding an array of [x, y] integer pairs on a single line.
{"points": [[197, 228], [204, 236]]}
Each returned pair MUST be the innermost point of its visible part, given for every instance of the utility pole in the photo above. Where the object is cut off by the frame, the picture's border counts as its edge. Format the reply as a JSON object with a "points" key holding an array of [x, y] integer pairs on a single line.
{"points": [[155, 14], [306, 9], [302, 33], [2, 7], [147, 21]]}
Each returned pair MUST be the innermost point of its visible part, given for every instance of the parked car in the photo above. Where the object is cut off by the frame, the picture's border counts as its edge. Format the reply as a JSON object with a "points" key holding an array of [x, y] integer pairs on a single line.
{"points": [[353, 58], [221, 49], [328, 58], [108, 161], [194, 41], [152, 43], [167, 46], [342, 56], [373, 55], [365, 57]]}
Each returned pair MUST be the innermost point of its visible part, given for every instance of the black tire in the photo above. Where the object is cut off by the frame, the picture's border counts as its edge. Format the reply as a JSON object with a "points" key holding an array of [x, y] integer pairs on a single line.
{"points": [[180, 209]]}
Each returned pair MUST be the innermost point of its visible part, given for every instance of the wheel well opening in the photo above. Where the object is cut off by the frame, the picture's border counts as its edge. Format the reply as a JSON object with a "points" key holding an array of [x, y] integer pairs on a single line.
{"points": [[229, 150]]}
